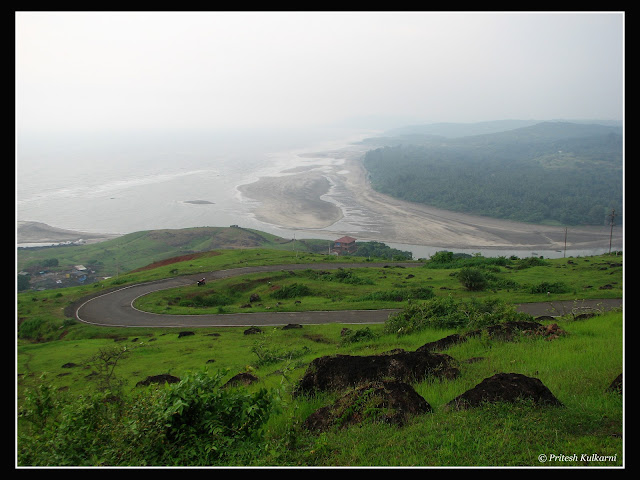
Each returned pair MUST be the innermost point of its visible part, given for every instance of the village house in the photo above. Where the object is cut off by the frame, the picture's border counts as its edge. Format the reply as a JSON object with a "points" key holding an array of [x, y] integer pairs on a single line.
{"points": [[344, 246]]}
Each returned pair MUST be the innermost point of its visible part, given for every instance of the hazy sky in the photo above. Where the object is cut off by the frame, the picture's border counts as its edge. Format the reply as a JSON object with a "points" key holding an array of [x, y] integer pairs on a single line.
{"points": [[103, 70]]}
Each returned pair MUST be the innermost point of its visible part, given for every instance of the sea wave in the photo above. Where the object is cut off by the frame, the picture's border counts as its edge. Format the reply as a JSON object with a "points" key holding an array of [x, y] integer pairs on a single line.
{"points": [[99, 190]]}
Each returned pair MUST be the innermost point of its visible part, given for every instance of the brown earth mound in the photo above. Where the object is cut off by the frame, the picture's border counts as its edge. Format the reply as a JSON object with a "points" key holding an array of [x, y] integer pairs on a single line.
{"points": [[346, 371], [390, 402], [505, 387]]}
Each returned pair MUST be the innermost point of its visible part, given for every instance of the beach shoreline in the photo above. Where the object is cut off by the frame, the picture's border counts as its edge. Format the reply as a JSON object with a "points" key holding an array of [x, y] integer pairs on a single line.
{"points": [[345, 203], [327, 194]]}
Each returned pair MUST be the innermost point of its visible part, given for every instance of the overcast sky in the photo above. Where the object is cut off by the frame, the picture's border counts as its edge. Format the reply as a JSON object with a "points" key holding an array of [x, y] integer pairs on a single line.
{"points": [[131, 70]]}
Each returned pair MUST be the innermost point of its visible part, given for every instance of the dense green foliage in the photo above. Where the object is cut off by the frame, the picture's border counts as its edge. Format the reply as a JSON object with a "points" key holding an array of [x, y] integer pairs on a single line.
{"points": [[549, 173], [446, 312], [193, 422], [380, 250]]}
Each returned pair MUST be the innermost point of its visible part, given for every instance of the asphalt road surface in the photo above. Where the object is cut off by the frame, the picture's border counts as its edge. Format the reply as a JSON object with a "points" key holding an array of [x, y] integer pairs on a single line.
{"points": [[115, 308]]}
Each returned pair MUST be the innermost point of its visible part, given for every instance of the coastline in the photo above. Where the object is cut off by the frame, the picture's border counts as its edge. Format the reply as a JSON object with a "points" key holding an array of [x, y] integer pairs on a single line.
{"points": [[327, 194], [339, 199]]}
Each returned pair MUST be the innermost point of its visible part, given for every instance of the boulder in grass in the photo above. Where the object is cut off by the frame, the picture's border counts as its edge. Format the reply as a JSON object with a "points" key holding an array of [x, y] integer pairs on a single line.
{"points": [[616, 385], [243, 378], [505, 387], [339, 372], [389, 402], [159, 379]]}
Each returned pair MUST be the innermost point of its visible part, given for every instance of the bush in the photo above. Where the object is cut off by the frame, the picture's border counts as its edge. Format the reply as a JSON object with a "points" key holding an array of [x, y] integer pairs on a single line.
{"points": [[445, 313], [31, 328], [204, 301], [547, 287], [291, 291], [195, 422], [399, 295], [530, 262], [472, 279], [205, 421], [359, 335]]}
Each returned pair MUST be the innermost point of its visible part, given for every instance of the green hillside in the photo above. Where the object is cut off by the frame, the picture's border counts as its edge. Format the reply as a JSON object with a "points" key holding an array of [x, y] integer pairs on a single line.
{"points": [[550, 173], [82, 399], [55, 266]]}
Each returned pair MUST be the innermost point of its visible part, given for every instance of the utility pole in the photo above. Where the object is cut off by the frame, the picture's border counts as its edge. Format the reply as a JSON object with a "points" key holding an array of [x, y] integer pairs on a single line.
{"points": [[565, 242], [612, 222]]}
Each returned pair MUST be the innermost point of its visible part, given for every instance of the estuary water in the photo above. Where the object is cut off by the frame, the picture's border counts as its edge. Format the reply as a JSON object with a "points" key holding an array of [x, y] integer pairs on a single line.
{"points": [[118, 183]]}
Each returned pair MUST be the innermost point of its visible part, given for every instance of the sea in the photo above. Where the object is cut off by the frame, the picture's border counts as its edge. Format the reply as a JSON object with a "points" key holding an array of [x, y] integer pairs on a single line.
{"points": [[118, 182], [123, 182]]}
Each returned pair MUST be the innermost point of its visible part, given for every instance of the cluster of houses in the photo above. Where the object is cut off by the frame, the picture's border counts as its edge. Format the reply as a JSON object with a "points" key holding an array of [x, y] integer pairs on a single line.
{"points": [[80, 274], [44, 279]]}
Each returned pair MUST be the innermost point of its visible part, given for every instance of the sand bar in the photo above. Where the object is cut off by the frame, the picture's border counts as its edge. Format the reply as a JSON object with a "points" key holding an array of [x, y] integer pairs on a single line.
{"points": [[354, 208]]}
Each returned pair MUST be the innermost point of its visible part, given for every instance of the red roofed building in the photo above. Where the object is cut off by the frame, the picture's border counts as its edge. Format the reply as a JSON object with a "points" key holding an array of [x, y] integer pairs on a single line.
{"points": [[344, 246]]}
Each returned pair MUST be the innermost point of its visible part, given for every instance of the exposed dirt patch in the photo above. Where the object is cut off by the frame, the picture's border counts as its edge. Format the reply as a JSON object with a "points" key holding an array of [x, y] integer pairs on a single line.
{"points": [[172, 260]]}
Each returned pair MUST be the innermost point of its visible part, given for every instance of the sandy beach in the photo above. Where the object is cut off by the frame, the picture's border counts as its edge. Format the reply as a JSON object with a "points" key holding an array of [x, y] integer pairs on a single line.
{"points": [[340, 199]]}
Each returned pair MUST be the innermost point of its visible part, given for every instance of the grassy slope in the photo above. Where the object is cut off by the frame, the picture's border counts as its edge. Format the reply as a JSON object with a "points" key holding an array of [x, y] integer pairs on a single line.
{"points": [[139, 249], [577, 368]]}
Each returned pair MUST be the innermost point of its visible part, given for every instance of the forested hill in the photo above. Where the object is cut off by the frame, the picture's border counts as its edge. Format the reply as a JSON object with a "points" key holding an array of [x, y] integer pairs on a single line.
{"points": [[551, 172]]}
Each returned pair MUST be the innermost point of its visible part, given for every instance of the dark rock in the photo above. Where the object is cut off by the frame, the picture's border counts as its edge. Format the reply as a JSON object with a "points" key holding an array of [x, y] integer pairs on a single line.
{"points": [[241, 379], [185, 334], [291, 326], [616, 385], [390, 402], [509, 330], [443, 343], [346, 371], [164, 378], [505, 387], [252, 331]]}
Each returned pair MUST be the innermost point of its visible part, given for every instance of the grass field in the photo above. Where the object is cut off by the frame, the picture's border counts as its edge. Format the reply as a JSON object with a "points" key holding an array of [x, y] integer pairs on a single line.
{"points": [[576, 367]]}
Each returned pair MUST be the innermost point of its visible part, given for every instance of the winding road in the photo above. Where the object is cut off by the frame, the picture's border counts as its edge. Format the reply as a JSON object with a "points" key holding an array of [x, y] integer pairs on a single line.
{"points": [[115, 308]]}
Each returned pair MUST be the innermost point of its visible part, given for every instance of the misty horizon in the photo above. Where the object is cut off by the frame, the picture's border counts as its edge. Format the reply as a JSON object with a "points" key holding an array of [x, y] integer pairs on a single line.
{"points": [[104, 71]]}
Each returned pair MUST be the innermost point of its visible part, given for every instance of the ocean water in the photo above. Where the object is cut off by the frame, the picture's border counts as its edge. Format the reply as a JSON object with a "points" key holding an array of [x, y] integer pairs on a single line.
{"points": [[119, 183]]}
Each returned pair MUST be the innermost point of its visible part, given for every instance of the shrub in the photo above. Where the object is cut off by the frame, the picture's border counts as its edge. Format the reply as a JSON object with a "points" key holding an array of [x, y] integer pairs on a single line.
{"points": [[399, 295], [205, 421], [291, 291], [203, 301], [359, 335], [31, 328], [547, 287], [472, 279], [445, 312], [530, 262], [195, 422]]}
